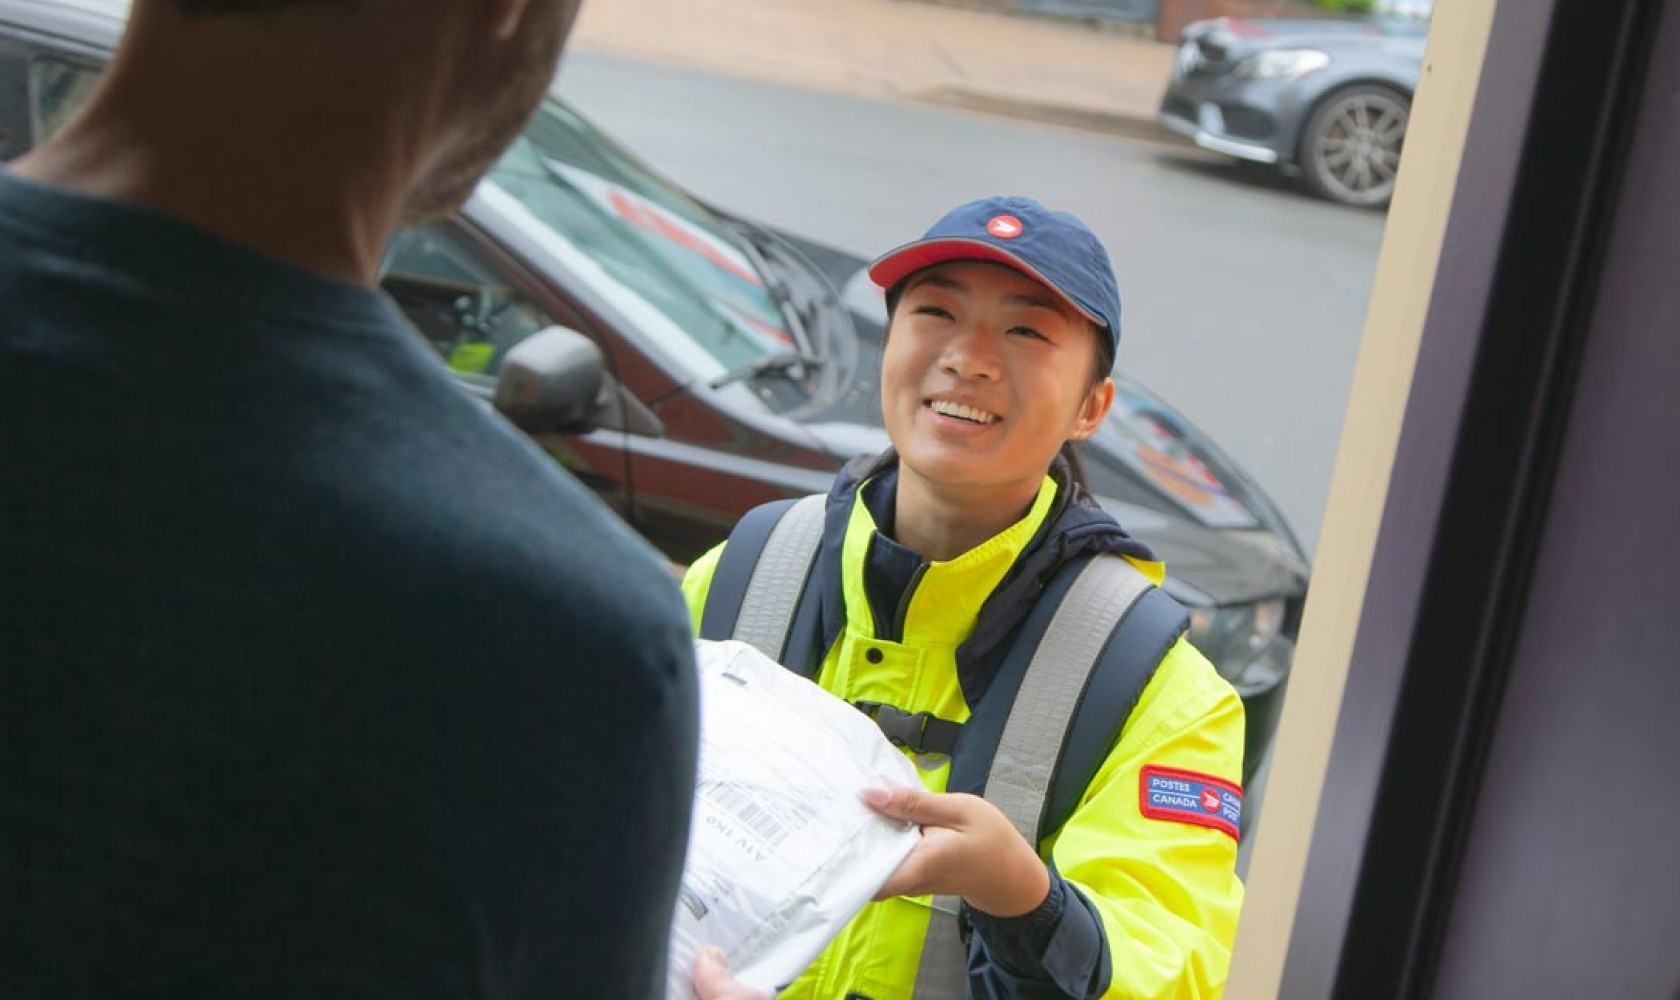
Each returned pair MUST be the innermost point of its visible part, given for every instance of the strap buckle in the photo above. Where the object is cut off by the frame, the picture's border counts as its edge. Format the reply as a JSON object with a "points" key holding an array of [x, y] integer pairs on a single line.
{"points": [[919, 732]]}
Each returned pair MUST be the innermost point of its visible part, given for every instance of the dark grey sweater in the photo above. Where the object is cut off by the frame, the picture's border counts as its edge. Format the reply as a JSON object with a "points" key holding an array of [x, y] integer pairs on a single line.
{"points": [[316, 680]]}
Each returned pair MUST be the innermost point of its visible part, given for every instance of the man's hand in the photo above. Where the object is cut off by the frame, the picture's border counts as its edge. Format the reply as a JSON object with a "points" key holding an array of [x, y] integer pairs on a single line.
{"points": [[968, 848], [712, 980]]}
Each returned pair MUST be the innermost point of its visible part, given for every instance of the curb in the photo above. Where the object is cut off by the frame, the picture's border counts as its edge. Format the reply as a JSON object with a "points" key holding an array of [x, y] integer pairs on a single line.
{"points": [[1131, 123], [1128, 124]]}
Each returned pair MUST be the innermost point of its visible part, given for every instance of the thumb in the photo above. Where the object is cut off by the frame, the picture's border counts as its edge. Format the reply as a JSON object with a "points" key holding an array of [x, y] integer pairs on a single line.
{"points": [[712, 980], [711, 971], [917, 805]]}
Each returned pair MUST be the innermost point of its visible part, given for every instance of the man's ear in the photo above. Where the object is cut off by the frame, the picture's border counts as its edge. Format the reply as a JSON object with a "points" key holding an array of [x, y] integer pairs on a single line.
{"points": [[1093, 410], [505, 17]]}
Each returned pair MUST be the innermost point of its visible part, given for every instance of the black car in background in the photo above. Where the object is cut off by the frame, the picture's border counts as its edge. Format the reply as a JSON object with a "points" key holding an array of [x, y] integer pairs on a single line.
{"points": [[1327, 97], [688, 364]]}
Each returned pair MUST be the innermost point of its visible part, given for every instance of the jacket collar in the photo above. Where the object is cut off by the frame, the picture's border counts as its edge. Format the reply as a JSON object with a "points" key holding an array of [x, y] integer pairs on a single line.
{"points": [[1074, 527]]}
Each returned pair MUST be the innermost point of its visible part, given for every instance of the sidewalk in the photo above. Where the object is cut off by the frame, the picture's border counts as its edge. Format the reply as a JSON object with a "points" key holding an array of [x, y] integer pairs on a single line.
{"points": [[1044, 70]]}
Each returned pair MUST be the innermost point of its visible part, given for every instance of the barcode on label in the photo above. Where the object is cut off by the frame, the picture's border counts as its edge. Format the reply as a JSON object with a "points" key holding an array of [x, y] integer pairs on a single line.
{"points": [[692, 901], [748, 810]]}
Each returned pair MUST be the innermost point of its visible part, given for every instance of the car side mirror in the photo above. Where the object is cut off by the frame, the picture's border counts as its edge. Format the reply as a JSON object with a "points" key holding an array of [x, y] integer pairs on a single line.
{"points": [[551, 382]]}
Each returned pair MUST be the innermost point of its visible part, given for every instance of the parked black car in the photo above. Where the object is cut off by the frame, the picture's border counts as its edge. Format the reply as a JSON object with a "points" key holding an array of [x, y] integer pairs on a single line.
{"points": [[688, 364], [1327, 97]]}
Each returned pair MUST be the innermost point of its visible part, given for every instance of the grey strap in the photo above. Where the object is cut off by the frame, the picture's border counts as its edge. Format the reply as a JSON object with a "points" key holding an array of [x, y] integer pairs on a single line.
{"points": [[943, 972], [779, 578], [1032, 738], [1038, 722]]}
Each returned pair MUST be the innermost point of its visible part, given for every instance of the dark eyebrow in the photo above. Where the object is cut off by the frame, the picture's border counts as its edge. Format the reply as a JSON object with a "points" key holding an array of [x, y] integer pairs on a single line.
{"points": [[1035, 300], [1041, 302], [938, 281]]}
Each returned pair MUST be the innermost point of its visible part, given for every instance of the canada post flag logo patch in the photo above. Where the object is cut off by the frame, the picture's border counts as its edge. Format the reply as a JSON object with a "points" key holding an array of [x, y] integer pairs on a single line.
{"points": [[1187, 797], [1004, 227]]}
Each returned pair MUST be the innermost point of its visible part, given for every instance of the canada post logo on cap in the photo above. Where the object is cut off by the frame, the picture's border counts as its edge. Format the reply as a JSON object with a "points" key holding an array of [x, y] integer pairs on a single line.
{"points": [[1167, 793], [1004, 227]]}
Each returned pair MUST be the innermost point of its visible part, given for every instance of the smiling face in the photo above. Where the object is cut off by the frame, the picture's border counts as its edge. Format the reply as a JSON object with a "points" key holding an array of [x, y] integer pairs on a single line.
{"points": [[986, 374]]}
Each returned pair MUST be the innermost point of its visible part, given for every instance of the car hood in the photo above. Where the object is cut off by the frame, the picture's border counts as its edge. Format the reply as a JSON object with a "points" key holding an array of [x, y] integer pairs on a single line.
{"points": [[1211, 566]]}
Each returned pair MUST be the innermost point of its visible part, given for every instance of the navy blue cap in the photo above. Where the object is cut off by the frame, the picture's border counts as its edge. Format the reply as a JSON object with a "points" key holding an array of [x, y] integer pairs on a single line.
{"points": [[1053, 248]]}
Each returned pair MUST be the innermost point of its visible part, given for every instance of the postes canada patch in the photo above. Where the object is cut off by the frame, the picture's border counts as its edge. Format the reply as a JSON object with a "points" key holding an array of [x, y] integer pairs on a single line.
{"points": [[1168, 793]]}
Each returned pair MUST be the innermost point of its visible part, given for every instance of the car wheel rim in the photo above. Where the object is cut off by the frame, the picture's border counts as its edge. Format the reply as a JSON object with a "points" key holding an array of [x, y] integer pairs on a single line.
{"points": [[1357, 152]]}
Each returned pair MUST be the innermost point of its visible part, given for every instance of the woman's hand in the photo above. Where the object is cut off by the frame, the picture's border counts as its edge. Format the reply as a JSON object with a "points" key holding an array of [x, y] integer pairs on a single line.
{"points": [[712, 980], [968, 848]]}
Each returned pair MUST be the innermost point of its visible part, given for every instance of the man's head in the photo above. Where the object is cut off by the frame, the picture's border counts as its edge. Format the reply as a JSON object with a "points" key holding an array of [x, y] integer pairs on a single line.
{"points": [[234, 7], [496, 96], [429, 91]]}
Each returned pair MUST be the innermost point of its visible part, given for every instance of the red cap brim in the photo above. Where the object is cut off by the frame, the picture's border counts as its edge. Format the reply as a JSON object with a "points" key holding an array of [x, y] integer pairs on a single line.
{"points": [[895, 265]]}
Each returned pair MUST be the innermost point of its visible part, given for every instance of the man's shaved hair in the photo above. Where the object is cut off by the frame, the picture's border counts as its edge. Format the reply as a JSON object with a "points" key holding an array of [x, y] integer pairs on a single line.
{"points": [[227, 8]]}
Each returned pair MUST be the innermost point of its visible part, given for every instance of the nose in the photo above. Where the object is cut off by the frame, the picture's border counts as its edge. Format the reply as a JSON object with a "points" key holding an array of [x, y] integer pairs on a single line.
{"points": [[971, 353]]}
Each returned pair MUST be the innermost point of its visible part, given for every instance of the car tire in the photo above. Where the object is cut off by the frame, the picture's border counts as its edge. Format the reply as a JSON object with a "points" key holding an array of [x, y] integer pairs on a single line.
{"points": [[1350, 149]]}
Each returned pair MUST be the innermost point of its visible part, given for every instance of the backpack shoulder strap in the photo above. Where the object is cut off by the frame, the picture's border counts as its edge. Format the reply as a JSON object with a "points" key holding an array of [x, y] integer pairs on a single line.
{"points": [[1069, 681], [760, 578], [1134, 651]]}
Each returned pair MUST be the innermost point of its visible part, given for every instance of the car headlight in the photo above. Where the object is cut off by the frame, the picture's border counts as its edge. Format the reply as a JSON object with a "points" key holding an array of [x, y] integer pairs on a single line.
{"points": [[1245, 643], [1282, 64]]}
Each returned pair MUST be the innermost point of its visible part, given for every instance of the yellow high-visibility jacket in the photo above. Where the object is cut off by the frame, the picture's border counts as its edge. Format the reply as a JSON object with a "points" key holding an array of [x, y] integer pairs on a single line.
{"points": [[1160, 880]]}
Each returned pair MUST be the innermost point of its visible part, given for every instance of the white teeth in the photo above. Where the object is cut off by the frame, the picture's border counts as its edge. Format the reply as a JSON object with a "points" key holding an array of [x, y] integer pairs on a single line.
{"points": [[961, 412]]}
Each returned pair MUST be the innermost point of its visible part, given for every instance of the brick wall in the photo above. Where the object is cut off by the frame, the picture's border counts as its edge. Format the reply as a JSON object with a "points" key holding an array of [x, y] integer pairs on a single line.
{"points": [[1175, 14]]}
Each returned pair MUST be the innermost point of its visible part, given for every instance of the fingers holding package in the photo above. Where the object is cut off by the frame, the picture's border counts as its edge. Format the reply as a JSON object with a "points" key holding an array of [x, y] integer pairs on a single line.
{"points": [[969, 848], [712, 980]]}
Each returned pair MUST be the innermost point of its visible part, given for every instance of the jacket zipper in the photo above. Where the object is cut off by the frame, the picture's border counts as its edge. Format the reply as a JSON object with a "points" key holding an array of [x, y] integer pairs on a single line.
{"points": [[897, 634]]}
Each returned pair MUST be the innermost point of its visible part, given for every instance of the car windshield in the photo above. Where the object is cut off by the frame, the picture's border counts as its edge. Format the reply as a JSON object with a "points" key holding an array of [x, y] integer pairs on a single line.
{"points": [[1157, 448], [646, 243], [1405, 16]]}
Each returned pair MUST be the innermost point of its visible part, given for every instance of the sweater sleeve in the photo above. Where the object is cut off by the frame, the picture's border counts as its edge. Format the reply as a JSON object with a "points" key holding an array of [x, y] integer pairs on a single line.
{"points": [[1055, 951]]}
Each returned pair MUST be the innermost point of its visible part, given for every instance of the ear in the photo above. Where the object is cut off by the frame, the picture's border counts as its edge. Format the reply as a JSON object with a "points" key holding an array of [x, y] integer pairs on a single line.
{"points": [[1093, 410], [505, 17]]}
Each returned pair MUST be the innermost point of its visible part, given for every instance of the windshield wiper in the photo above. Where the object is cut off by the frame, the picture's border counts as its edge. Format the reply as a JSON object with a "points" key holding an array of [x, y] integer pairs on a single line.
{"points": [[778, 363], [759, 246]]}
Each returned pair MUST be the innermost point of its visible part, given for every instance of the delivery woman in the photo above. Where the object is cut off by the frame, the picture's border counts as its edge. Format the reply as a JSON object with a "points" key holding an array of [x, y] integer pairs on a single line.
{"points": [[931, 560]]}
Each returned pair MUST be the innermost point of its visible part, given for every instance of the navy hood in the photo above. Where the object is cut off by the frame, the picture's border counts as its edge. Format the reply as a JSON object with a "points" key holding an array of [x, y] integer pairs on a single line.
{"points": [[1075, 527]]}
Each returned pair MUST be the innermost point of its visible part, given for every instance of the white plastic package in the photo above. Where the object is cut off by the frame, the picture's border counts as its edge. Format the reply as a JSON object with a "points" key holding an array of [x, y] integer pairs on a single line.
{"points": [[782, 853]]}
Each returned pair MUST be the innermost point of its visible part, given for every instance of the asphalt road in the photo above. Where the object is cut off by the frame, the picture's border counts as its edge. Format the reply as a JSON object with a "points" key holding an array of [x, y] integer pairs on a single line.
{"points": [[1243, 300]]}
